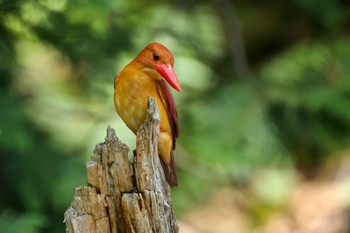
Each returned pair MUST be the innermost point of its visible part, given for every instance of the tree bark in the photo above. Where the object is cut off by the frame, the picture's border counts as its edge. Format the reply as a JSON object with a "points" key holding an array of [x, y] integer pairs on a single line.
{"points": [[124, 196]]}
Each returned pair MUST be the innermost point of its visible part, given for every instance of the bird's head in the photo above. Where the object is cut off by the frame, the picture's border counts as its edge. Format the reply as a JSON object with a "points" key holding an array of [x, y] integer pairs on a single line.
{"points": [[158, 58]]}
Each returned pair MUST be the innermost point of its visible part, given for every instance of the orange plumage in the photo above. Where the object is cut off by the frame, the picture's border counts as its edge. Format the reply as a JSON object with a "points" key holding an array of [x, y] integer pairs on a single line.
{"points": [[144, 77]]}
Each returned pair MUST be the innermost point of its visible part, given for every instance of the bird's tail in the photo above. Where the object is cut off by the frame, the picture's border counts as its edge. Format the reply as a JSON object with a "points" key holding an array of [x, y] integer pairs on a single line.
{"points": [[170, 171]]}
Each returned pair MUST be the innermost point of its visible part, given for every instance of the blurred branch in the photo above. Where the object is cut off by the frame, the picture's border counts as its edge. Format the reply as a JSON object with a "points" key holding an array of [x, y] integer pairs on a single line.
{"points": [[235, 39]]}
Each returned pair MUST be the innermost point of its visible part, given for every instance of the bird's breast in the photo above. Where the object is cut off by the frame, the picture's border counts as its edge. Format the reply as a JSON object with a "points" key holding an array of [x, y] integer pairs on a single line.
{"points": [[130, 98]]}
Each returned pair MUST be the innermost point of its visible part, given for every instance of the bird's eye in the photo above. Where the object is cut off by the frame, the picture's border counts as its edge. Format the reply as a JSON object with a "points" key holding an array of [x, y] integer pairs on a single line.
{"points": [[155, 57]]}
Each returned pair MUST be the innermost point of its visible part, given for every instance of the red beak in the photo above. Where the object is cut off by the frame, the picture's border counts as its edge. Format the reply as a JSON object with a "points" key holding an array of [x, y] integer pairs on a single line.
{"points": [[169, 74]]}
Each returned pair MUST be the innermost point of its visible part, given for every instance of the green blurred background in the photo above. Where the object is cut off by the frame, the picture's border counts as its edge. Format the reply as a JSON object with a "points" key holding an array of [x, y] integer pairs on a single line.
{"points": [[264, 114]]}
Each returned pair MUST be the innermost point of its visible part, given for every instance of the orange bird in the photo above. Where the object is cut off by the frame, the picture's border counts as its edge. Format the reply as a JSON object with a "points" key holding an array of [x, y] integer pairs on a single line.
{"points": [[145, 76]]}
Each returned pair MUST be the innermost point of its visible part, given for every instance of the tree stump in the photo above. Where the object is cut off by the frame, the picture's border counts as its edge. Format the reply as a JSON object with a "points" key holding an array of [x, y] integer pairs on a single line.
{"points": [[124, 196]]}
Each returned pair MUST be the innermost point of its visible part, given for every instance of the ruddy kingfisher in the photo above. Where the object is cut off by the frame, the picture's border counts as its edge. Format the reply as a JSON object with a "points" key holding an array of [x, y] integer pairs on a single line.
{"points": [[145, 76]]}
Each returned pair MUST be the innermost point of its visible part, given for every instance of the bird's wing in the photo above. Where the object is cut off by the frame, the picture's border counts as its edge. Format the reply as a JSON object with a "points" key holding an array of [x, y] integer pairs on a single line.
{"points": [[169, 103]]}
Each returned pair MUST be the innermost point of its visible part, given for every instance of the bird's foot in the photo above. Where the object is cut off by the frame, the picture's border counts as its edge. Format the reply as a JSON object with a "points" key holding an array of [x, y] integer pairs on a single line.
{"points": [[135, 156]]}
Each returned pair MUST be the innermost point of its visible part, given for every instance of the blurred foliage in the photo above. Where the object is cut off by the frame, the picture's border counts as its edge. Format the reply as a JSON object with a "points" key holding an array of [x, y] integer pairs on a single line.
{"points": [[309, 88], [58, 60]]}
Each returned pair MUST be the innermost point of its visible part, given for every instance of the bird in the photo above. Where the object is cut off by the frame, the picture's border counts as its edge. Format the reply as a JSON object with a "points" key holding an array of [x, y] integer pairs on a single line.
{"points": [[147, 75]]}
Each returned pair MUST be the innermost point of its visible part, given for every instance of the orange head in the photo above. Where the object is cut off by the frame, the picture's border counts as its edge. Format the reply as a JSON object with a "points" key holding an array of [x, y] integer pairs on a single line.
{"points": [[157, 57]]}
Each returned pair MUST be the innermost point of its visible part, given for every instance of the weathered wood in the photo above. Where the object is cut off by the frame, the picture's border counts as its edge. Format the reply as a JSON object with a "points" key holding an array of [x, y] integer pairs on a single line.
{"points": [[124, 196]]}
